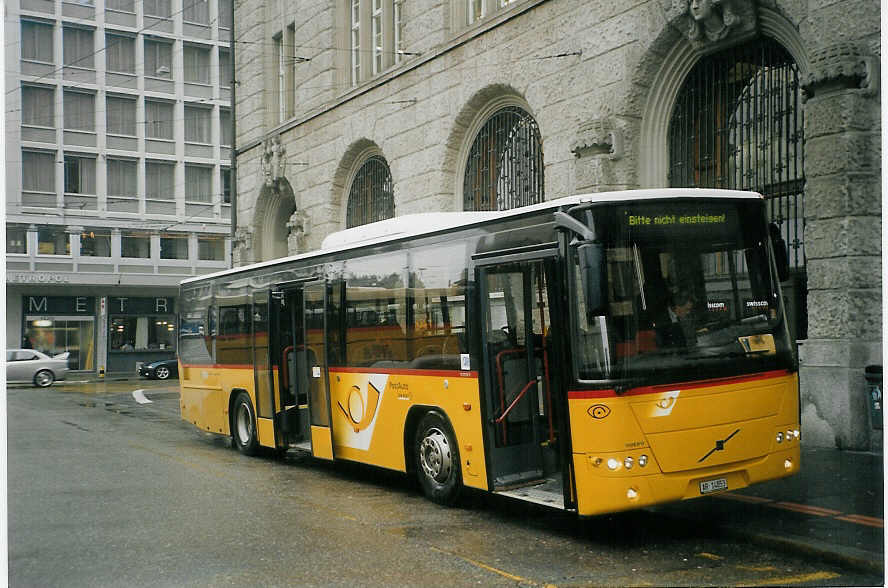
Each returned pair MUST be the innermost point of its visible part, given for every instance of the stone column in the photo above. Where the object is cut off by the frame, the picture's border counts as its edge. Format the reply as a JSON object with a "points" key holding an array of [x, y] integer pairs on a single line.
{"points": [[843, 246]]}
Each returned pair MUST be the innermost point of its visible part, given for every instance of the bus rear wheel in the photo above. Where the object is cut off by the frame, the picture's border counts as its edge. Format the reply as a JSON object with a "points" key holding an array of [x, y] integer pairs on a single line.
{"points": [[243, 425], [437, 460]]}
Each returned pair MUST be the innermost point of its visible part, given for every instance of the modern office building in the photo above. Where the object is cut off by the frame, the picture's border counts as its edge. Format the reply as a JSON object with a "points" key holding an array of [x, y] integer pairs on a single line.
{"points": [[118, 142], [357, 110]]}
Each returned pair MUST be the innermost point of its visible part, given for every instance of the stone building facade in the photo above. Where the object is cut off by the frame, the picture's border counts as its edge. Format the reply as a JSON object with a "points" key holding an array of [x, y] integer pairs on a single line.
{"points": [[402, 100]]}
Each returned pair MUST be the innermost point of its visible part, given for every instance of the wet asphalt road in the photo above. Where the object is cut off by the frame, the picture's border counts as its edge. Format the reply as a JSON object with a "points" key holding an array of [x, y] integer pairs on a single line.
{"points": [[106, 491]]}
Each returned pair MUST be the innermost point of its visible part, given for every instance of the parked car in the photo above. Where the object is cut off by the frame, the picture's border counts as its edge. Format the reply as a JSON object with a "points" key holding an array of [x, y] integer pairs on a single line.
{"points": [[32, 366], [160, 370]]}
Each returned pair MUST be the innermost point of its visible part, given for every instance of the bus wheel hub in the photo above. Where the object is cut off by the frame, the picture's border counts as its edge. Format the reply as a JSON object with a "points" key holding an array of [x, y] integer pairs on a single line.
{"points": [[434, 455]]}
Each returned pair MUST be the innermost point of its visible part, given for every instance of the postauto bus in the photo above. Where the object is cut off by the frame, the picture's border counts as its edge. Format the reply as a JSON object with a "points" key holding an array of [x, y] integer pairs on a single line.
{"points": [[594, 353]]}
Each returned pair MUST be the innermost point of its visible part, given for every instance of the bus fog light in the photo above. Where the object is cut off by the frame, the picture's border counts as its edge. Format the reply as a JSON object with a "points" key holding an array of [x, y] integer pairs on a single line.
{"points": [[628, 463], [613, 464], [780, 437], [632, 494], [642, 461], [787, 465]]}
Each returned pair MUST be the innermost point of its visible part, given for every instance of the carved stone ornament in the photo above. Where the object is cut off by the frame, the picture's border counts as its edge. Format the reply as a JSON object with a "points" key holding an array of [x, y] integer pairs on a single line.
{"points": [[843, 64], [274, 160], [297, 230], [243, 238], [598, 138], [711, 24]]}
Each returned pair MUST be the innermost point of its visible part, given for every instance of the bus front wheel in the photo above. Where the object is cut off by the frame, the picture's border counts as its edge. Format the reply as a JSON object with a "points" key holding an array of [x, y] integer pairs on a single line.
{"points": [[243, 429], [437, 459]]}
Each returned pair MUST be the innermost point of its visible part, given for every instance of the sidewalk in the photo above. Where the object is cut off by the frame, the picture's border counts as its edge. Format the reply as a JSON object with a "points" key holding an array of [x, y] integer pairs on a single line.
{"points": [[832, 509]]}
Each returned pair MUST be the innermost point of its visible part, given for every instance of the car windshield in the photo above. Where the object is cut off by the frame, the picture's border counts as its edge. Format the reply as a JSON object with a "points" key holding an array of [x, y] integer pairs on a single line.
{"points": [[689, 294]]}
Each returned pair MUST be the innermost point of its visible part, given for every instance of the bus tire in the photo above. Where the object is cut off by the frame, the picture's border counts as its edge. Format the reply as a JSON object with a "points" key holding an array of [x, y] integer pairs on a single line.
{"points": [[437, 459], [243, 425]]}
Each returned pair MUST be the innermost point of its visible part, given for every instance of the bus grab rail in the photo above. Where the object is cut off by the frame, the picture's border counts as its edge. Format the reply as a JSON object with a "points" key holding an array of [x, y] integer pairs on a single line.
{"points": [[514, 402]]}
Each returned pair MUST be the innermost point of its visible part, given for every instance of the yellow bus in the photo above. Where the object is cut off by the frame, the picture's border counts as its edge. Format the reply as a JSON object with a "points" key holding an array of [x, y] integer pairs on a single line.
{"points": [[594, 353]]}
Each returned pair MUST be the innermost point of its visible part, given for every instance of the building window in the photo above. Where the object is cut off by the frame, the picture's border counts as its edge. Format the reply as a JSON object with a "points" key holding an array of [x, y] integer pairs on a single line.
{"points": [[198, 124], [16, 239], [122, 175], [160, 180], [120, 116], [38, 171], [505, 165], [355, 47], [80, 111], [280, 82], [161, 8], [198, 183], [80, 175], [371, 197], [474, 11], [225, 126], [376, 31], [197, 64], [174, 246], [53, 241], [224, 14], [137, 245], [197, 11], [120, 54], [398, 28], [225, 178], [120, 5], [78, 47], [211, 248], [37, 41], [158, 59], [224, 69], [95, 243], [158, 120], [38, 106]]}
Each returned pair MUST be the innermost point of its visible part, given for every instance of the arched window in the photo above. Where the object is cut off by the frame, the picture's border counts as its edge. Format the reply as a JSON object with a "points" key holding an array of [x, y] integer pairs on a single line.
{"points": [[738, 123], [371, 197], [505, 165]]}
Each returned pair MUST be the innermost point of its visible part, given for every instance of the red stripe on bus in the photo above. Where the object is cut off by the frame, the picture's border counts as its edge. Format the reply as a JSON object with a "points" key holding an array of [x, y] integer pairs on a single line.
{"points": [[404, 372], [609, 393], [217, 366]]}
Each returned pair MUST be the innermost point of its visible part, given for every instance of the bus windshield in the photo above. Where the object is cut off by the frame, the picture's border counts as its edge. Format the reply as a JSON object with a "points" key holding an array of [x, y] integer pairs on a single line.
{"points": [[687, 292]]}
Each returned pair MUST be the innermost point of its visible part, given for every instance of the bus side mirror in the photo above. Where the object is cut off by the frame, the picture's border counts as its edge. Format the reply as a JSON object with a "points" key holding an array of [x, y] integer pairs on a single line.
{"points": [[593, 277], [778, 243]]}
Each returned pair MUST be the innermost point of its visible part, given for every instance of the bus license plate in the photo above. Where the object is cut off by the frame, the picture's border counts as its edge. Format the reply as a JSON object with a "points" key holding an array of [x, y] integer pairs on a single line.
{"points": [[713, 485]]}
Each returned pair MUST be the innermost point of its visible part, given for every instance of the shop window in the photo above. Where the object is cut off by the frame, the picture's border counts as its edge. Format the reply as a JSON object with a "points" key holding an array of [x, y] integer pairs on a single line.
{"points": [[140, 333], [16, 239], [53, 241], [53, 335], [137, 245], [174, 246], [95, 243], [211, 248]]}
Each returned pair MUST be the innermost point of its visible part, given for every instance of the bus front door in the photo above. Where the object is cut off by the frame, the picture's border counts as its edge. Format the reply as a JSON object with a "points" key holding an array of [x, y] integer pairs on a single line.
{"points": [[519, 425]]}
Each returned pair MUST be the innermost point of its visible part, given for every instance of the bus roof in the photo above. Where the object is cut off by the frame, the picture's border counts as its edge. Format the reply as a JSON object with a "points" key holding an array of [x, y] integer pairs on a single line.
{"points": [[414, 225]]}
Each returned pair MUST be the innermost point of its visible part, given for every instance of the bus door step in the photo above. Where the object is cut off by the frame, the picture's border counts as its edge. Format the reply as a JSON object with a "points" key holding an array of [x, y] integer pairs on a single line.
{"points": [[518, 480]]}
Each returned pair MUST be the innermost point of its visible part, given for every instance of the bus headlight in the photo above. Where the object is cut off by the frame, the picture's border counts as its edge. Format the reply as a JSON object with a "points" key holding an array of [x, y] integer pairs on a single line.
{"points": [[628, 463], [779, 436], [642, 461], [613, 464]]}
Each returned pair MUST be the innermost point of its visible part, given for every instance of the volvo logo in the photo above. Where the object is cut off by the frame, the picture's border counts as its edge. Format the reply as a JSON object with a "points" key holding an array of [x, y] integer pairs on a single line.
{"points": [[719, 446]]}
